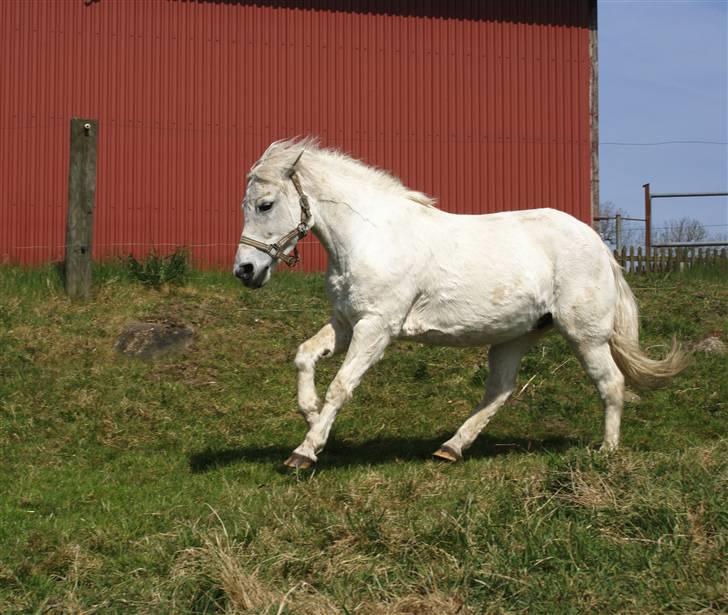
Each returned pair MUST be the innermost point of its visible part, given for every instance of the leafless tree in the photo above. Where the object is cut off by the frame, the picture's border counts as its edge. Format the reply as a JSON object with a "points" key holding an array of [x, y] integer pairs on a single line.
{"points": [[608, 228], [681, 230]]}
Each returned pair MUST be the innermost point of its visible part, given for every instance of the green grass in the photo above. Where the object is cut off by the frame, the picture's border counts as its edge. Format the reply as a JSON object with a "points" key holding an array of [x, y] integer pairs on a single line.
{"points": [[157, 487]]}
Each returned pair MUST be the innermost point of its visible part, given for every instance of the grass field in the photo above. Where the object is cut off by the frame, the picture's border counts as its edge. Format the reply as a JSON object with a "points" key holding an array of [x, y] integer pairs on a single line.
{"points": [[158, 487]]}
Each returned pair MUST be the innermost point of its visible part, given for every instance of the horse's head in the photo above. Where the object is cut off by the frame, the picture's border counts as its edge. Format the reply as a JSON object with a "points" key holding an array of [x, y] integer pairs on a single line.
{"points": [[276, 216]]}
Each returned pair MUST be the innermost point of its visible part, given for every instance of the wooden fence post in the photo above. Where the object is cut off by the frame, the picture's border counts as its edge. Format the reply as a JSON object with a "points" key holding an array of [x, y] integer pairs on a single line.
{"points": [[81, 195], [639, 260]]}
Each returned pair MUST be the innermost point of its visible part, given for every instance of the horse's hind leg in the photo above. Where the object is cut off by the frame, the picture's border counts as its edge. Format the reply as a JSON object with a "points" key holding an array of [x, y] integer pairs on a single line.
{"points": [[503, 362], [599, 364]]}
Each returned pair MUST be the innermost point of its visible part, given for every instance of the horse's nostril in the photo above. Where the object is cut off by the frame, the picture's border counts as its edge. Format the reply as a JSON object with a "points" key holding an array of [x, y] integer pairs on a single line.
{"points": [[245, 271]]}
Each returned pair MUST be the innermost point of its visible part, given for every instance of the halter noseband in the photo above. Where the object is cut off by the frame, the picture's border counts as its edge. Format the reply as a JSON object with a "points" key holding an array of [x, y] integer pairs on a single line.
{"points": [[275, 250]]}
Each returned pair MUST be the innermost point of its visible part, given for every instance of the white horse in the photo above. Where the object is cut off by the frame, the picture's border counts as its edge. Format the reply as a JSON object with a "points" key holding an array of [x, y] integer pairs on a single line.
{"points": [[401, 268]]}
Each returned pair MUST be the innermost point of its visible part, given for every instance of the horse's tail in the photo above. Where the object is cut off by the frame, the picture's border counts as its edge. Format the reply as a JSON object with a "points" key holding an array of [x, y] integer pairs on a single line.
{"points": [[637, 367]]}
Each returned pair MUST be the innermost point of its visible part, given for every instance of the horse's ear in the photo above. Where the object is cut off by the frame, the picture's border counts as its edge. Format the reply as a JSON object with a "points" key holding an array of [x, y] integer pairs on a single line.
{"points": [[292, 170]]}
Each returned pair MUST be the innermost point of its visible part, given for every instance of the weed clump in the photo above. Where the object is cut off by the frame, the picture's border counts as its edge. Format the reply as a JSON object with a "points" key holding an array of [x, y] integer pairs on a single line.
{"points": [[155, 271]]}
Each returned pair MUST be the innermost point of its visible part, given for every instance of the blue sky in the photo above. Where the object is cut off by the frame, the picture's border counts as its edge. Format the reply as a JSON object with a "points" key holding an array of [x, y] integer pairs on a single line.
{"points": [[663, 76]]}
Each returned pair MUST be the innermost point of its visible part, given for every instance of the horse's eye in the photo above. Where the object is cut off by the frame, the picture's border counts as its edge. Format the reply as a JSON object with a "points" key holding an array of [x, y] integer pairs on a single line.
{"points": [[267, 206]]}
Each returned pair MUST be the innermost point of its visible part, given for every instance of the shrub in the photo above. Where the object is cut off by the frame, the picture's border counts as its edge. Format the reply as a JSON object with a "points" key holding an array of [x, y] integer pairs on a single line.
{"points": [[155, 270]]}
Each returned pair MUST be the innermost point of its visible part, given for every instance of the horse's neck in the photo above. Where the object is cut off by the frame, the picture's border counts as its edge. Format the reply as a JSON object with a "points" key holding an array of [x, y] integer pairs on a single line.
{"points": [[341, 210], [334, 229]]}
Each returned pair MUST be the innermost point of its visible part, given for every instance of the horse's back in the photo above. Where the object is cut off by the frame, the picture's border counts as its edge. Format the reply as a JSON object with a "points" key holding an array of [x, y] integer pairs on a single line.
{"points": [[515, 241], [548, 237]]}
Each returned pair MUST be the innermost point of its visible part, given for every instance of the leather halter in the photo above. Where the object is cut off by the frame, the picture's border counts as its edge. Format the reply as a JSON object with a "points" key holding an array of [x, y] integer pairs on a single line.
{"points": [[275, 250]]}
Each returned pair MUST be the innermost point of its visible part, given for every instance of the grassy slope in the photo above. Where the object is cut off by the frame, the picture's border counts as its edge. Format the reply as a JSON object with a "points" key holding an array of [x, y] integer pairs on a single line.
{"points": [[157, 487]]}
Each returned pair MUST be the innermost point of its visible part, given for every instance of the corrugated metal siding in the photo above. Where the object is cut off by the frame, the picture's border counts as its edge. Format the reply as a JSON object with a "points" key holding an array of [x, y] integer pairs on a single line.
{"points": [[484, 105]]}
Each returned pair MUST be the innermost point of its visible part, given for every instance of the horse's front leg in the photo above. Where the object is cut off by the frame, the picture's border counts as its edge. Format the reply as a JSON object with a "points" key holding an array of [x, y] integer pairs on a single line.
{"points": [[369, 340], [331, 339]]}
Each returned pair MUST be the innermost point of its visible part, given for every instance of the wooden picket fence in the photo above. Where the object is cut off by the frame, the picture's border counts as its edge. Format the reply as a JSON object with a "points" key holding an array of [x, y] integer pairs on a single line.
{"points": [[670, 259]]}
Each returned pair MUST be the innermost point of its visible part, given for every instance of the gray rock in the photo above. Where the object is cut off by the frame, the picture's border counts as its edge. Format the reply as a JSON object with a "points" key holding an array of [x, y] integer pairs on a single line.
{"points": [[147, 340], [710, 345]]}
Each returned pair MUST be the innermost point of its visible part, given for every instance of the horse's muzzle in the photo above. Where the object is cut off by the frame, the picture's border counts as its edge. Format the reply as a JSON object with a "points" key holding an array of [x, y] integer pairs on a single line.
{"points": [[246, 274]]}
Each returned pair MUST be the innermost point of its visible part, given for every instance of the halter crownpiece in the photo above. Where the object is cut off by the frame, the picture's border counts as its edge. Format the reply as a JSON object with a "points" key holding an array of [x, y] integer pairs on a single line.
{"points": [[275, 250], [292, 170]]}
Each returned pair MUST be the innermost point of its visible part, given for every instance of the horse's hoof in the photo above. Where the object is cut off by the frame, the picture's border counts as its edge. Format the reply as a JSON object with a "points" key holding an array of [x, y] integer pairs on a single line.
{"points": [[299, 462], [446, 454]]}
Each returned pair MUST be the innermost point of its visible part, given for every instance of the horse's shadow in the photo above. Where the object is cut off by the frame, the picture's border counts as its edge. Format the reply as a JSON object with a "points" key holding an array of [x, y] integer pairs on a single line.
{"points": [[376, 451]]}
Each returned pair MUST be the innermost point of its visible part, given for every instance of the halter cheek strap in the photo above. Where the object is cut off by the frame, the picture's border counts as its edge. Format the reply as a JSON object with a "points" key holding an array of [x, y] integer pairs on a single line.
{"points": [[275, 250]]}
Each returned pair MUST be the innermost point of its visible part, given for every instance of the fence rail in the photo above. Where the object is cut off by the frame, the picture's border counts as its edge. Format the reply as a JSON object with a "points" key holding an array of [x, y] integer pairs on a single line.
{"points": [[670, 259]]}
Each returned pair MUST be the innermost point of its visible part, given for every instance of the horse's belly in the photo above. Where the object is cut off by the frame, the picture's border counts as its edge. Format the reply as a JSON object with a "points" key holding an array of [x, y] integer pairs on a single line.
{"points": [[439, 337], [454, 328]]}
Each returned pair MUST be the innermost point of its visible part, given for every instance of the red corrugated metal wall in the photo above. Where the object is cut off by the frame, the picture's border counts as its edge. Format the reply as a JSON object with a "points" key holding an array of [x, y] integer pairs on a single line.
{"points": [[484, 105]]}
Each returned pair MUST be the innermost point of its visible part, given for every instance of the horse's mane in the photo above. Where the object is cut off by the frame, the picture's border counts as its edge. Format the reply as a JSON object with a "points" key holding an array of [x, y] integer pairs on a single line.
{"points": [[318, 163]]}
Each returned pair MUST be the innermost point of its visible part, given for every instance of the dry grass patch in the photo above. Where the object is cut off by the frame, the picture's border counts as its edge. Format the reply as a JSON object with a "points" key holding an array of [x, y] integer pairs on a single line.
{"points": [[429, 603], [218, 576], [214, 573]]}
